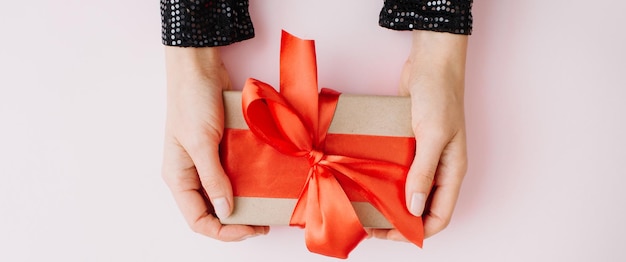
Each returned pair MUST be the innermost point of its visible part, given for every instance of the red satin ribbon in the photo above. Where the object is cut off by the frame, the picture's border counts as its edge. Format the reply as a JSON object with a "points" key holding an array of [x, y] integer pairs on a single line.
{"points": [[294, 122]]}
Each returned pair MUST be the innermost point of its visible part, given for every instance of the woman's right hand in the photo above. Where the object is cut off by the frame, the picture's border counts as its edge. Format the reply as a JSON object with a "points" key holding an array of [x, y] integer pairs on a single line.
{"points": [[193, 131]]}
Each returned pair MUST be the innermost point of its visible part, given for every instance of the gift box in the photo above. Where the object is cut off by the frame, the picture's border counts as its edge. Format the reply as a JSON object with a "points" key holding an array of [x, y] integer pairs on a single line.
{"points": [[330, 163]]}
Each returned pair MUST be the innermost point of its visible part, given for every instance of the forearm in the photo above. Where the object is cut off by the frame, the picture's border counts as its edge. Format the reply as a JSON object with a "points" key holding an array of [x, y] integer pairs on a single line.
{"points": [[196, 78], [190, 65], [439, 54], [435, 66]]}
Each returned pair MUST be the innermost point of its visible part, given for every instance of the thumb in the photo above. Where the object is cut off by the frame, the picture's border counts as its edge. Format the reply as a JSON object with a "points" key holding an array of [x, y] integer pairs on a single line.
{"points": [[213, 178], [421, 175]]}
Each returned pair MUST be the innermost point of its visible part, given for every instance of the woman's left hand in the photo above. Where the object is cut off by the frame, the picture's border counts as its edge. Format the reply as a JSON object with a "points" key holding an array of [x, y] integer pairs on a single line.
{"points": [[434, 78]]}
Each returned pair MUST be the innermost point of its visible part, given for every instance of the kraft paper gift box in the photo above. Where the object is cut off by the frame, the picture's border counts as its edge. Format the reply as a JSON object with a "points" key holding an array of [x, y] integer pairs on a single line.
{"points": [[330, 163], [386, 116]]}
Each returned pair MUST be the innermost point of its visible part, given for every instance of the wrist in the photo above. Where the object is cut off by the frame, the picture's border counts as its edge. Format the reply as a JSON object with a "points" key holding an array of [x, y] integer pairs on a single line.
{"points": [[196, 57], [436, 54], [195, 67]]}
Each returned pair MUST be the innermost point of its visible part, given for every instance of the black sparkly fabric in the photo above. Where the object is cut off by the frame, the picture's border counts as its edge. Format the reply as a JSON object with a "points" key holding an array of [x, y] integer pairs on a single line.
{"points": [[206, 23], [451, 16], [203, 23]]}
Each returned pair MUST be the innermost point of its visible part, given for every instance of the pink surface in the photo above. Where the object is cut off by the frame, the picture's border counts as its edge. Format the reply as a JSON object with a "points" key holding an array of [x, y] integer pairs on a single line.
{"points": [[82, 112]]}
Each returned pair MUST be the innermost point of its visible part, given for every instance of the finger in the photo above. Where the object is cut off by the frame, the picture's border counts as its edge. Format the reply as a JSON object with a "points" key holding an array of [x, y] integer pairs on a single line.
{"points": [[452, 169], [389, 234], [420, 177], [216, 184], [196, 212], [182, 179]]}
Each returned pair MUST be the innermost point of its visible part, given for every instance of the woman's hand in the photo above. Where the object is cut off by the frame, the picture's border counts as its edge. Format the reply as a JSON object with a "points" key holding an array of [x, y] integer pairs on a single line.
{"points": [[434, 78], [193, 131]]}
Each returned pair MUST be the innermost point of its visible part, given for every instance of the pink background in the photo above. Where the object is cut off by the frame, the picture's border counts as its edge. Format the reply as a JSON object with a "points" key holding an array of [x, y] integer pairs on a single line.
{"points": [[82, 114]]}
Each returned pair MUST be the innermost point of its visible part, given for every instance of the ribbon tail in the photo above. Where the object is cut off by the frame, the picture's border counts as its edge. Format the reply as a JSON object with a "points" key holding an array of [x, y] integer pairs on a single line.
{"points": [[298, 77], [332, 226], [299, 215], [381, 183]]}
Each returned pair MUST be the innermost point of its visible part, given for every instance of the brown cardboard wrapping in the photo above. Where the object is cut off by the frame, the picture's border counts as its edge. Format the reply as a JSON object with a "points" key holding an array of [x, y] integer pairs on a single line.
{"points": [[355, 114]]}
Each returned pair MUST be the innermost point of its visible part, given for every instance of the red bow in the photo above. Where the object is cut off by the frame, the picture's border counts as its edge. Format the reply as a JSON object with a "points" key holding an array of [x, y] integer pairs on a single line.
{"points": [[295, 122]]}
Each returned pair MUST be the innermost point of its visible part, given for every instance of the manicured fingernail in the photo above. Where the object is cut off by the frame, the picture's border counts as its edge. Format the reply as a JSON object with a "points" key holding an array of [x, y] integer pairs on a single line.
{"points": [[222, 209], [417, 204]]}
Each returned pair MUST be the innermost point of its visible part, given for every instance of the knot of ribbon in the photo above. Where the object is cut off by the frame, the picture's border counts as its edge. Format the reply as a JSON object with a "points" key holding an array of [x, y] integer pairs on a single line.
{"points": [[315, 157], [295, 122]]}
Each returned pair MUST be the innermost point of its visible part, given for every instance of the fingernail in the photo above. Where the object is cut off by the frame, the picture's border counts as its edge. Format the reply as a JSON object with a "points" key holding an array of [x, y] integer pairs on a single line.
{"points": [[417, 204], [222, 209]]}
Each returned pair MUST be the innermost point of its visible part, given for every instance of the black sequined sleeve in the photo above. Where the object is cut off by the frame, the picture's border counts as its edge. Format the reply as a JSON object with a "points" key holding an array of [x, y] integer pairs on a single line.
{"points": [[204, 23], [452, 16]]}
